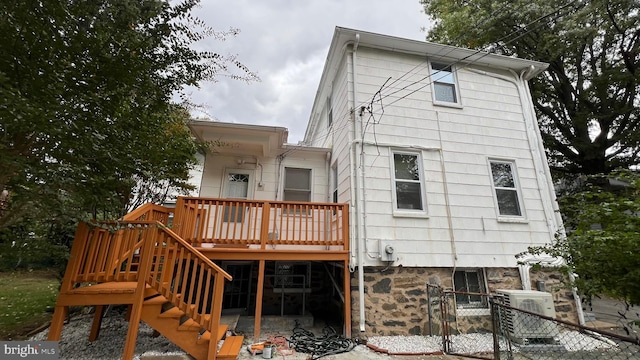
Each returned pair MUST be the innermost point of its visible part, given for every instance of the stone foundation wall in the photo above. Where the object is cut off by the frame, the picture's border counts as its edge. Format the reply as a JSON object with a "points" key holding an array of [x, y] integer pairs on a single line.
{"points": [[396, 300], [563, 298]]}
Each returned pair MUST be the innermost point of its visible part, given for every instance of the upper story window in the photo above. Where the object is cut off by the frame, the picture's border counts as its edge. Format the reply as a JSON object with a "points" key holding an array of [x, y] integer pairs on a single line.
{"points": [[297, 184], [505, 185], [334, 180], [408, 182], [444, 84], [329, 112]]}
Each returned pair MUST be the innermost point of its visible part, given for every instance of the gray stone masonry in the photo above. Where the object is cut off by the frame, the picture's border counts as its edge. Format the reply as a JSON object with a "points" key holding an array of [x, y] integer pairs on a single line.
{"points": [[395, 300]]}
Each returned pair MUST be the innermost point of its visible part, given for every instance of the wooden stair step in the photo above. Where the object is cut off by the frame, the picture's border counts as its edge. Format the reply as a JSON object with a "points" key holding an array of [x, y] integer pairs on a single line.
{"points": [[230, 348], [174, 312], [112, 287], [189, 325], [222, 330], [156, 300]]}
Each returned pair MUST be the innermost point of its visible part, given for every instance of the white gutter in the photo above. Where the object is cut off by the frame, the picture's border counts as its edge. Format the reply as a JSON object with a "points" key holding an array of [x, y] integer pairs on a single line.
{"points": [[447, 202], [550, 188]]}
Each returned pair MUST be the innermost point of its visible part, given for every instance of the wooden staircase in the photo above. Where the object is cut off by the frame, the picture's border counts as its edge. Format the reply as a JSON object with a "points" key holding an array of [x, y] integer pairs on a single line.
{"points": [[166, 282], [183, 331]]}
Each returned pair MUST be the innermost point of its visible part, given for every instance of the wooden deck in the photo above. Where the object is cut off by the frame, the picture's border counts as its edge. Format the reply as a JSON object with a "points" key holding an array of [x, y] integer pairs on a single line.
{"points": [[158, 260]]}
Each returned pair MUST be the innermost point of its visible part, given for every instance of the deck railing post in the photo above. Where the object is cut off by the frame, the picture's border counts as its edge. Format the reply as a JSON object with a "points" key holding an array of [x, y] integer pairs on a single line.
{"points": [[345, 226], [216, 313], [178, 217], [149, 234], [264, 224]]}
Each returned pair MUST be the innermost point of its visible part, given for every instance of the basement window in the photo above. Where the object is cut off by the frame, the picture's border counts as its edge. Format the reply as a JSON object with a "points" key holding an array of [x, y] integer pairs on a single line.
{"points": [[469, 284]]}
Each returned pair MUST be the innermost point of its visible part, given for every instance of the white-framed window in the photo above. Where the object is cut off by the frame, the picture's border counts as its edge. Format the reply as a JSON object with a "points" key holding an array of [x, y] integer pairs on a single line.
{"points": [[334, 182], [329, 112], [408, 183], [297, 184], [469, 284], [506, 188], [445, 89]]}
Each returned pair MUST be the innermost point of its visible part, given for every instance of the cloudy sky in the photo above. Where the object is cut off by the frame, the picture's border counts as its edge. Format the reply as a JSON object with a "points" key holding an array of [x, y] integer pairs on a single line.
{"points": [[286, 42]]}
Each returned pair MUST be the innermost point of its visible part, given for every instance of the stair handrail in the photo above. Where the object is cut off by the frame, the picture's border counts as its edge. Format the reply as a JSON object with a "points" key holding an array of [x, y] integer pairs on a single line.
{"points": [[192, 282], [167, 263], [149, 212], [105, 259], [195, 251]]}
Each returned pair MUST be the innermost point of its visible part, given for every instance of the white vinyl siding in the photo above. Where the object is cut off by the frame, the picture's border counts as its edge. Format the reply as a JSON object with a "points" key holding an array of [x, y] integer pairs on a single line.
{"points": [[454, 144]]}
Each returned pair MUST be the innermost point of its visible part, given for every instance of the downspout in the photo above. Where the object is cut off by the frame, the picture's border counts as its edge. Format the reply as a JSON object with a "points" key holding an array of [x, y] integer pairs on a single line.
{"points": [[328, 172], [447, 203], [554, 220], [359, 236], [552, 194], [543, 157]]}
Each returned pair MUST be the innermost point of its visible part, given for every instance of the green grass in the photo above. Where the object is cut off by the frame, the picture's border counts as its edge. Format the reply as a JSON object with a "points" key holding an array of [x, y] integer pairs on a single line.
{"points": [[26, 300]]}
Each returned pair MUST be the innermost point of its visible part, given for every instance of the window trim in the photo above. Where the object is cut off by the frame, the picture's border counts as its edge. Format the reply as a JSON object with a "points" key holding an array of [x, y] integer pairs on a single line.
{"points": [[399, 212], [456, 86], [516, 187]]}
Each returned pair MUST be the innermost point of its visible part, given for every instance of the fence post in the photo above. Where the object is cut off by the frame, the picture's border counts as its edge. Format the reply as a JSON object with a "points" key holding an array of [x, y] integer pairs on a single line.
{"points": [[495, 328], [429, 317], [446, 339]]}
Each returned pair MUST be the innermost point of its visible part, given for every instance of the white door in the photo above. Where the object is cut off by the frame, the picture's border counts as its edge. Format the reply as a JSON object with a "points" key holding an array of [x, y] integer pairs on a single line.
{"points": [[238, 185]]}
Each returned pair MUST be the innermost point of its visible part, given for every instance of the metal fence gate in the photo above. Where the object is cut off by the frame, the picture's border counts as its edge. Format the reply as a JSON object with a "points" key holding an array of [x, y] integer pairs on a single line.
{"points": [[493, 326]]}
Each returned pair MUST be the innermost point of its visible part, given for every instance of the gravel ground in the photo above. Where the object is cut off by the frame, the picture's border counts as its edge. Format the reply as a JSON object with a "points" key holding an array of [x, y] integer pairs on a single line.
{"points": [[74, 343]]}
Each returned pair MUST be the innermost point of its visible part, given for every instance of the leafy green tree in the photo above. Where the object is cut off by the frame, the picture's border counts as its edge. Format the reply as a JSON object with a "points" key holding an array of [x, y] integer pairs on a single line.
{"points": [[85, 101], [603, 234], [587, 101]]}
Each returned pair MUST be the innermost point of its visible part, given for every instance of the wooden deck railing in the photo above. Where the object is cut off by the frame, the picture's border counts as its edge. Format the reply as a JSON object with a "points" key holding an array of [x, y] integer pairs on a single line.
{"points": [[150, 212], [149, 253], [254, 222]]}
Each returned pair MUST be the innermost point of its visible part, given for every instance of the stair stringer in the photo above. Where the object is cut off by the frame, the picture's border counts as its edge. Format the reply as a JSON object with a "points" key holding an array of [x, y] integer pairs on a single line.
{"points": [[186, 339]]}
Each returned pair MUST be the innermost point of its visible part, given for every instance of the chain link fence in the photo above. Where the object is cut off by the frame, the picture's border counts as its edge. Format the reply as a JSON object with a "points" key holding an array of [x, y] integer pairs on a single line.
{"points": [[516, 325]]}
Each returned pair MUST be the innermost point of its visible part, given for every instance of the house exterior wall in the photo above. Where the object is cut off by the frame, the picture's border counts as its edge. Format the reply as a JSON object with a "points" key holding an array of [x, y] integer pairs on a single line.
{"points": [[383, 103], [461, 226], [270, 173]]}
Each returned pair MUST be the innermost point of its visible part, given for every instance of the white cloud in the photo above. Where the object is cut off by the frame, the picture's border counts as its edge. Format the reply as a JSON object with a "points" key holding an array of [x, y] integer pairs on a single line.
{"points": [[286, 42]]}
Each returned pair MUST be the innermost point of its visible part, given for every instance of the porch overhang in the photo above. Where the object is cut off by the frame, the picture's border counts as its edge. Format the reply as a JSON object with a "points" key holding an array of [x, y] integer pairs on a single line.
{"points": [[241, 138]]}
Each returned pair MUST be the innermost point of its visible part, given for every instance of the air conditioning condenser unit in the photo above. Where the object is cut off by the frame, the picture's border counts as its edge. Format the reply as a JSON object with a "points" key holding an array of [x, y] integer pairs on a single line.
{"points": [[526, 328]]}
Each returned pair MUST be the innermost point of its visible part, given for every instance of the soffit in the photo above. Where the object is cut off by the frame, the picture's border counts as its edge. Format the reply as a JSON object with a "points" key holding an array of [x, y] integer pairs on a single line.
{"points": [[243, 139]]}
